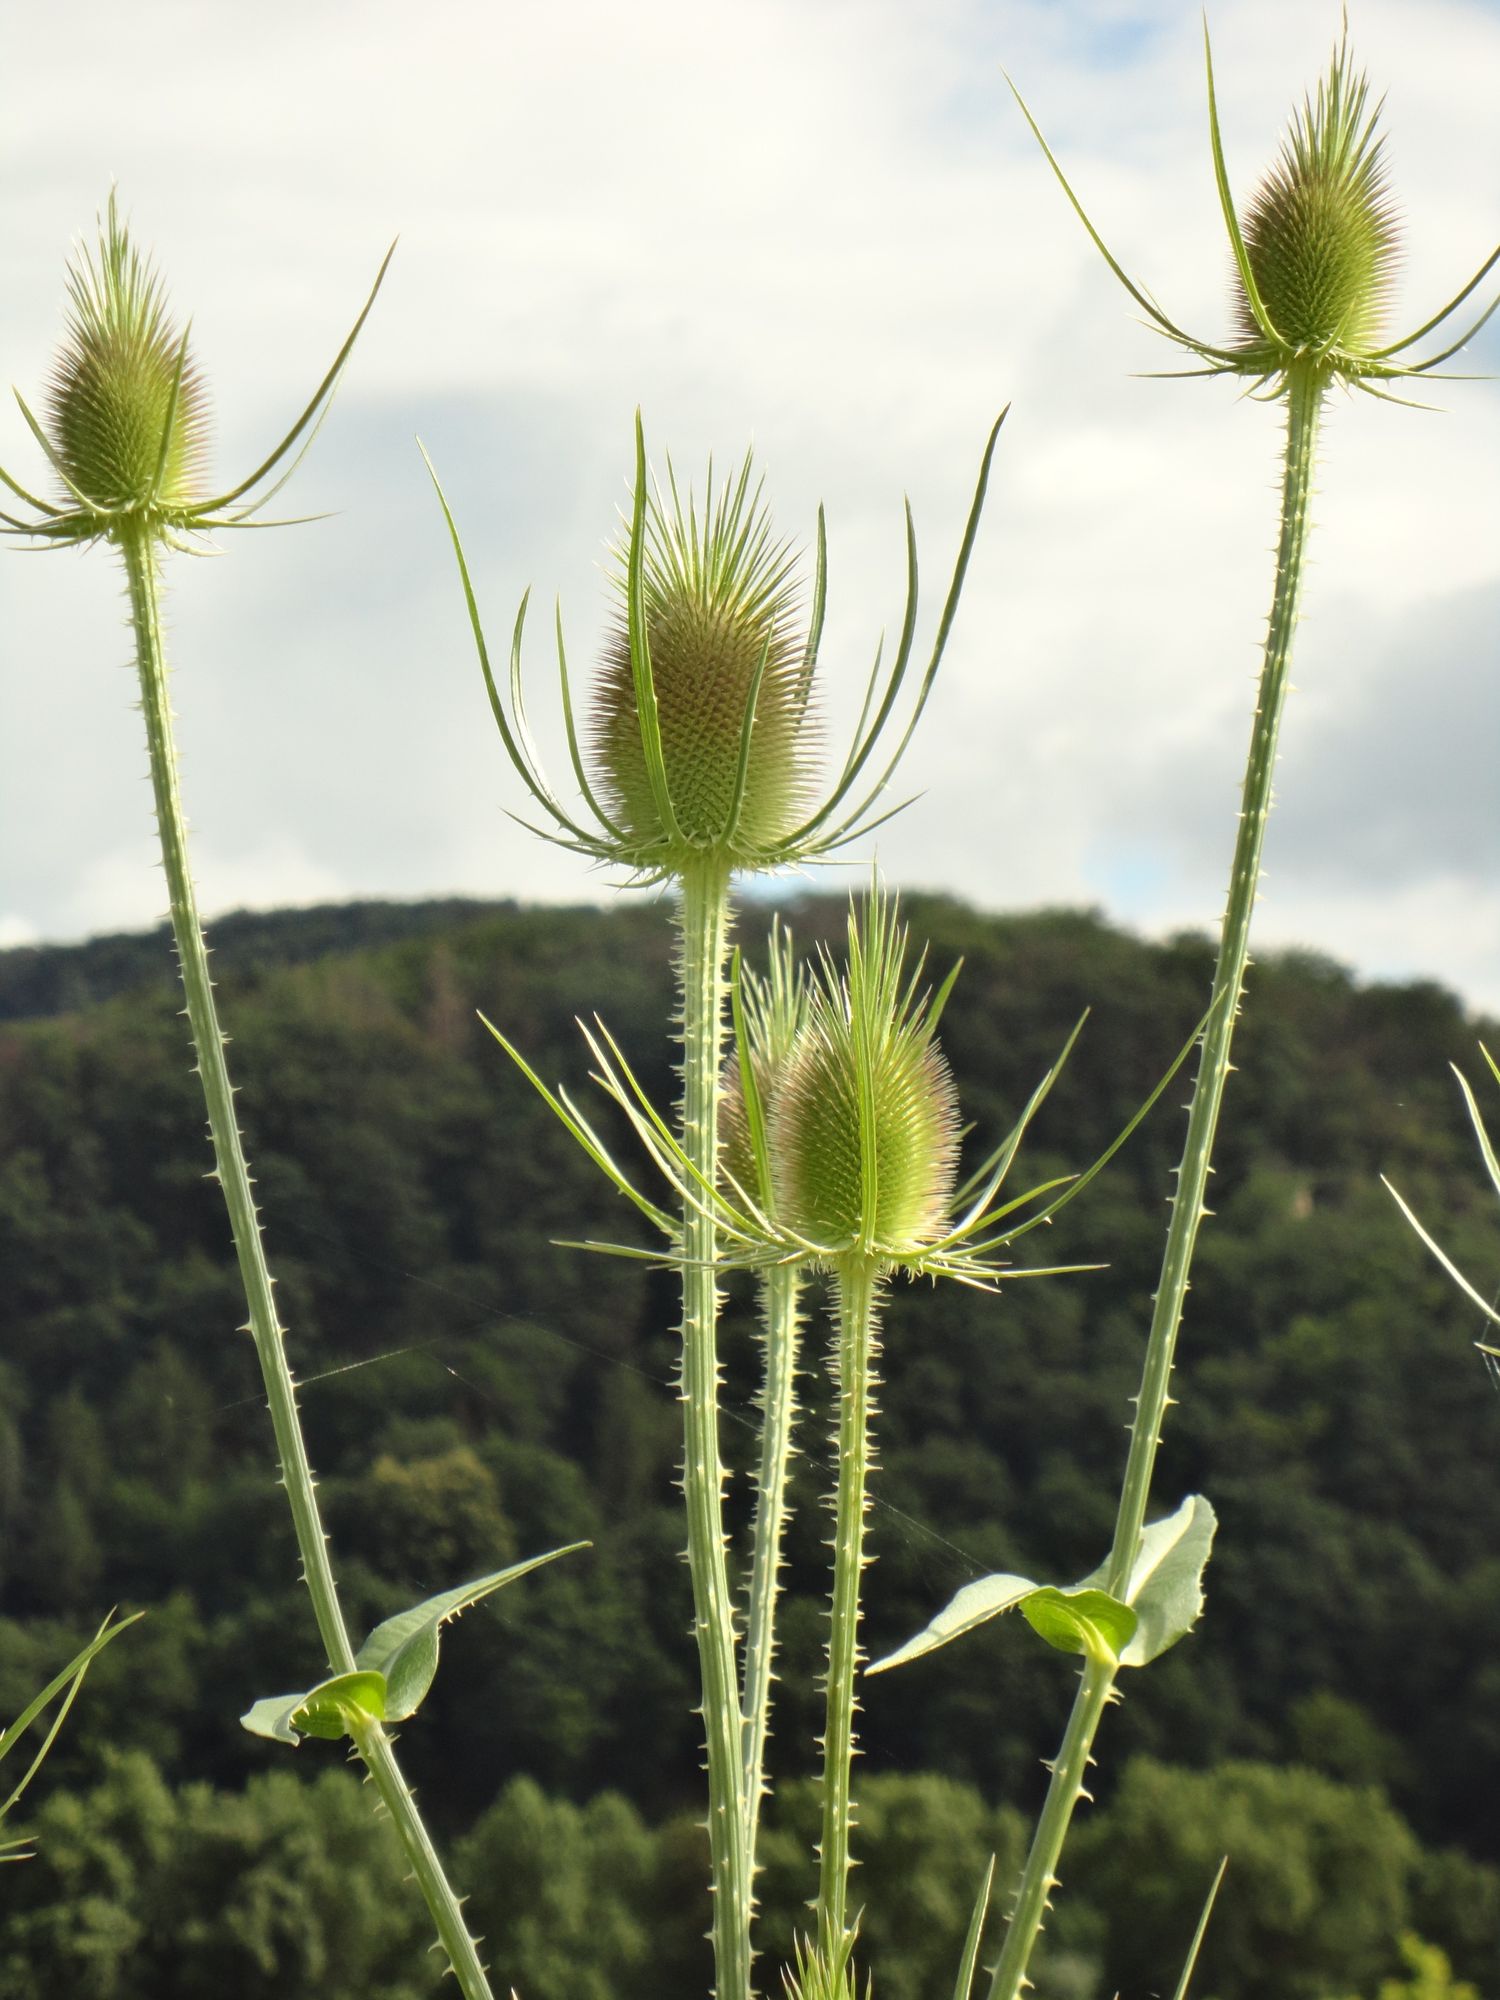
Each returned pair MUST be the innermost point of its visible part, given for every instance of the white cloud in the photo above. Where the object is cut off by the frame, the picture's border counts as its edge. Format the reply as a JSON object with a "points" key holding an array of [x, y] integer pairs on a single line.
{"points": [[824, 227]]}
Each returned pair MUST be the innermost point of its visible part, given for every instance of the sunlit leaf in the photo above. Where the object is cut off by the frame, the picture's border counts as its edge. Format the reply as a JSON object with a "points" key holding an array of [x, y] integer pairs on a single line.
{"points": [[1081, 1621], [1166, 1584], [1164, 1600], [404, 1650], [326, 1710]]}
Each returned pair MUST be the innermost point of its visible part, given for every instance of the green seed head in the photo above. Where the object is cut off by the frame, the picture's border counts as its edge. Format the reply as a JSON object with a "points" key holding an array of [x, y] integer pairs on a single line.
{"points": [[864, 1128], [1320, 231], [773, 1012], [720, 627], [128, 415]]}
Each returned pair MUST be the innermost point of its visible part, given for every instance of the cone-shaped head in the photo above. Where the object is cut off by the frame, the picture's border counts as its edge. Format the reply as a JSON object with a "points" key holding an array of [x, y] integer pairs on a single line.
{"points": [[1320, 230], [128, 412], [720, 628], [773, 1013], [864, 1127]]}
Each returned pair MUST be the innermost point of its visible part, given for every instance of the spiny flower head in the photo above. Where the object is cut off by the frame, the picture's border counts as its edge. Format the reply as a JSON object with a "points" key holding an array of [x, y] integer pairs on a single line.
{"points": [[770, 1015], [128, 415], [128, 411], [702, 732], [1314, 255], [840, 1135], [864, 1128], [730, 682], [1320, 233]]}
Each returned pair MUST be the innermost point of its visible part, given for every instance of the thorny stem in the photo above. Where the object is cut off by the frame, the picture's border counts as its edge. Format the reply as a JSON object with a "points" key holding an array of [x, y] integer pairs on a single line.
{"points": [[780, 1300], [705, 929], [1306, 386], [233, 1175], [858, 1286]]}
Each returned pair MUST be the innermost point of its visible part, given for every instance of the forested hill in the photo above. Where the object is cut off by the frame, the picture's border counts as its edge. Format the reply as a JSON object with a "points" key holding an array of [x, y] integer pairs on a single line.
{"points": [[472, 1391]]}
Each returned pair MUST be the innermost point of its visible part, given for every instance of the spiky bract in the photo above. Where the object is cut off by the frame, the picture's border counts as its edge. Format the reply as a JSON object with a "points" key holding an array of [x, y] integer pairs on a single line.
{"points": [[1314, 255], [128, 412], [772, 1014], [817, 1974], [1320, 232], [864, 1130], [731, 685], [127, 430]]}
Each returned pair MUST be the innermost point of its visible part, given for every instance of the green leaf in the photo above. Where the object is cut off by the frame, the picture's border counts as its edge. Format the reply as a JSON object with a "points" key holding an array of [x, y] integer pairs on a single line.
{"points": [[67, 1684], [1081, 1621], [1166, 1584], [973, 1605], [964, 1986], [1164, 1600], [393, 1669], [404, 1650], [72, 1673], [326, 1710]]}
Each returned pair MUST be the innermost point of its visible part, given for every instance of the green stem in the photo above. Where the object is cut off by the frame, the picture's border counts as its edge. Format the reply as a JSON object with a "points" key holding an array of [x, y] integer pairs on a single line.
{"points": [[705, 934], [857, 1287], [780, 1301], [1304, 405], [233, 1175]]}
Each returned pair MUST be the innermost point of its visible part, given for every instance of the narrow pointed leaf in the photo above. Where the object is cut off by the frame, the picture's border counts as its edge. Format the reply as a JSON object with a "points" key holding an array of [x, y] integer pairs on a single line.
{"points": [[975, 1604], [1226, 202], [324, 389], [403, 1652], [964, 1985], [1443, 1258], [73, 1671], [1201, 1932]]}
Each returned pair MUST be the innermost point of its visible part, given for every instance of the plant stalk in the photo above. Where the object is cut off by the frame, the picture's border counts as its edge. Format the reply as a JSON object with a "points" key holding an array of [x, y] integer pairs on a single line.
{"points": [[780, 1303], [705, 937], [233, 1175], [858, 1285], [1305, 391]]}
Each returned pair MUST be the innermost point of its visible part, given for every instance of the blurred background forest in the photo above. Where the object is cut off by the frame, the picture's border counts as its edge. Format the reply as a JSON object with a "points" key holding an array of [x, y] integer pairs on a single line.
{"points": [[473, 1394]]}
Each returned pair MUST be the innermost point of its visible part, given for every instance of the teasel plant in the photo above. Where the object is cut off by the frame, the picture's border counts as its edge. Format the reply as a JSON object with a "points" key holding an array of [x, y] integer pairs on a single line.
{"points": [[1313, 256], [840, 1159], [862, 1151], [699, 764], [770, 1014], [124, 433]]}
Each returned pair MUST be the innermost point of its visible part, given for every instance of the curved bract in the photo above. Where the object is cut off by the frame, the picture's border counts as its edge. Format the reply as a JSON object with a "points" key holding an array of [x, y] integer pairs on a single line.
{"points": [[129, 413], [770, 1015], [731, 676], [865, 1129], [127, 431], [1313, 255], [1320, 233], [704, 732]]}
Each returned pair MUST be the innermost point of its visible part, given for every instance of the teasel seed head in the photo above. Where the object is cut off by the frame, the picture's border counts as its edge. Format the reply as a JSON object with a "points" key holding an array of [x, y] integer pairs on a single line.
{"points": [[1314, 255], [865, 1128], [1320, 230], [729, 669], [770, 1014], [128, 411]]}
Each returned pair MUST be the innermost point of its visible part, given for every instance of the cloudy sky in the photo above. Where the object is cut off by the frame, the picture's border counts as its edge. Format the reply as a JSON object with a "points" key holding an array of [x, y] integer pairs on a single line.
{"points": [[817, 226]]}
